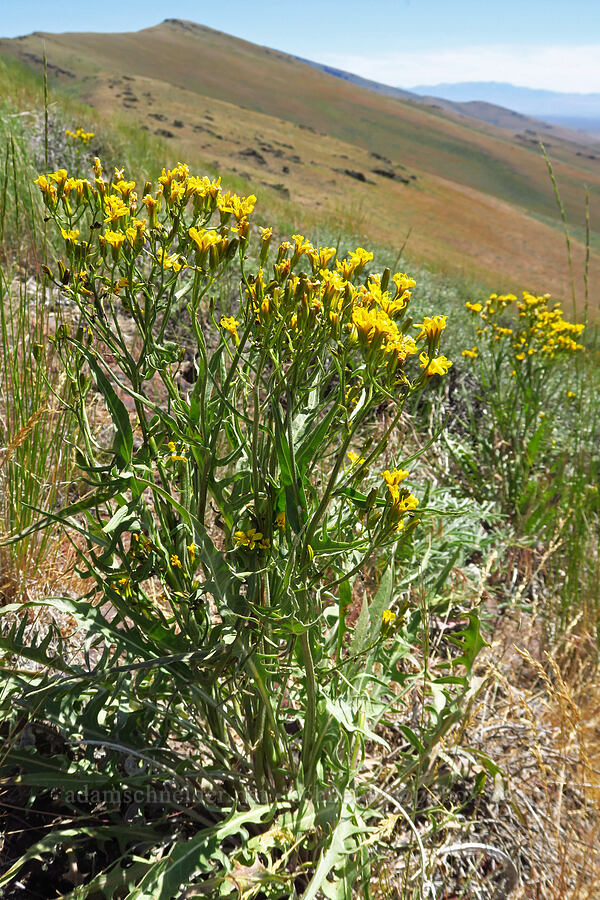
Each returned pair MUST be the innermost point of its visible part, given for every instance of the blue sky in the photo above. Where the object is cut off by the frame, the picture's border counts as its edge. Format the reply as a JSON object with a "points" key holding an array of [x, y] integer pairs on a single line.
{"points": [[539, 43]]}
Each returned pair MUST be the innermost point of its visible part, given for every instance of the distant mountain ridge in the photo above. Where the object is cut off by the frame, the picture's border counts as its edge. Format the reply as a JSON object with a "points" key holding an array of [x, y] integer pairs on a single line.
{"points": [[573, 110], [498, 112]]}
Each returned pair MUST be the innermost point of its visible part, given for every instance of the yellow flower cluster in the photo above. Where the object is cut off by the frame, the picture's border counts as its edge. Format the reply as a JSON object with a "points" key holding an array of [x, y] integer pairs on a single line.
{"points": [[303, 295], [329, 301], [403, 502], [228, 323], [355, 458], [392, 479], [538, 329], [80, 135], [178, 193], [59, 186], [251, 539]]}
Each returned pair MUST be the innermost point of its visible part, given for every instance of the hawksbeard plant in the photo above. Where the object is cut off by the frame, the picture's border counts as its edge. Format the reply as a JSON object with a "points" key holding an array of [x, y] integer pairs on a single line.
{"points": [[523, 358], [222, 517]]}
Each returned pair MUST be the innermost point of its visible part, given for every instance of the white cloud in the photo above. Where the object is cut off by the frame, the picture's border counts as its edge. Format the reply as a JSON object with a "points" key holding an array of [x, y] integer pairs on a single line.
{"points": [[558, 68]]}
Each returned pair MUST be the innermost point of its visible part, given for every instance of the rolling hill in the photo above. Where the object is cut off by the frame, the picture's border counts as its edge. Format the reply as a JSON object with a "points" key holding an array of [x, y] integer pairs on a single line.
{"points": [[475, 197], [571, 110]]}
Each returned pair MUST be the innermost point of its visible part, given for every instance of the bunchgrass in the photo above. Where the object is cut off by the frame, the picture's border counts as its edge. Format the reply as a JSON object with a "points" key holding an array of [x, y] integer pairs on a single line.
{"points": [[34, 432]]}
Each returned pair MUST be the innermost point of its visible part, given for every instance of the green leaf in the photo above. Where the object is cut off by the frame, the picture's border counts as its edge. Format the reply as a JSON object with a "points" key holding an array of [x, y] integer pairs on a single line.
{"points": [[114, 881], [382, 600], [470, 642], [336, 853], [123, 442], [187, 858], [413, 740], [294, 493], [309, 446], [345, 598]]}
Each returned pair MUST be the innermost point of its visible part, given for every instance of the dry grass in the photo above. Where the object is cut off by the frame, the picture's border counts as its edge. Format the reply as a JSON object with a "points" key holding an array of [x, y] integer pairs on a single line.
{"points": [[544, 733]]}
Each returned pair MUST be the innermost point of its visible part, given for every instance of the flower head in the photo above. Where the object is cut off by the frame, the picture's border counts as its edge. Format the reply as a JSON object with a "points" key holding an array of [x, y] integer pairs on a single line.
{"points": [[393, 479], [355, 458], [431, 327], [251, 539], [437, 365], [228, 323]]}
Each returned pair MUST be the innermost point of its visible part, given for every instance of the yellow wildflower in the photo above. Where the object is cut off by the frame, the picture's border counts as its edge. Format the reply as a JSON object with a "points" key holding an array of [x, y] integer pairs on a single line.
{"points": [[59, 177], [151, 205], [241, 538], [170, 261], [114, 208], [403, 282], [242, 229], [355, 458], [393, 479], [78, 185], [404, 504], [204, 240], [357, 260], [42, 183], [179, 173], [251, 538], [124, 188], [388, 617], [404, 346], [175, 561], [241, 207], [302, 246], [437, 365], [70, 235], [392, 307], [374, 326], [431, 327], [80, 135], [231, 325], [471, 354], [114, 239], [280, 520], [321, 257], [135, 231]]}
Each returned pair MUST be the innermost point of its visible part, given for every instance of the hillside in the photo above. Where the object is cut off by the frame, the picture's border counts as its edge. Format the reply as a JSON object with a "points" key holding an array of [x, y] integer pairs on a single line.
{"points": [[493, 108], [475, 198], [569, 109]]}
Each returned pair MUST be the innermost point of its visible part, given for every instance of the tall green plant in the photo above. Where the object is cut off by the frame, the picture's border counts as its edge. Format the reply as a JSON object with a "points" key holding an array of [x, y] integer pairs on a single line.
{"points": [[223, 519]]}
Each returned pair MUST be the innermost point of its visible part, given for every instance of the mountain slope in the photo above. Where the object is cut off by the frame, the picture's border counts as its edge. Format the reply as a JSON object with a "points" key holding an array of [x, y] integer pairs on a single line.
{"points": [[570, 109], [475, 198], [494, 109]]}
